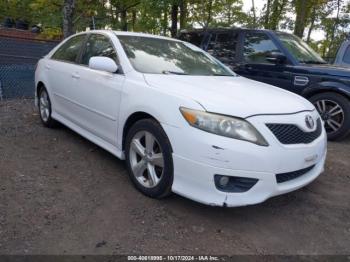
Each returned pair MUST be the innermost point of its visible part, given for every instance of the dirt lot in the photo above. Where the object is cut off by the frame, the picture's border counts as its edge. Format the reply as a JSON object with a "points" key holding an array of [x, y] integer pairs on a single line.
{"points": [[60, 194]]}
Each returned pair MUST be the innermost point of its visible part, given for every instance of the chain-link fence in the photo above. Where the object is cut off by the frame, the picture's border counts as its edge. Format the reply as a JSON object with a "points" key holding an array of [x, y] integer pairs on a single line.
{"points": [[18, 58]]}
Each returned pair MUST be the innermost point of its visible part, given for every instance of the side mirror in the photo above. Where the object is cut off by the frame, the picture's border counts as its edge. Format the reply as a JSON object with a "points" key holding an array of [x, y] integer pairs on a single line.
{"points": [[103, 63], [276, 58]]}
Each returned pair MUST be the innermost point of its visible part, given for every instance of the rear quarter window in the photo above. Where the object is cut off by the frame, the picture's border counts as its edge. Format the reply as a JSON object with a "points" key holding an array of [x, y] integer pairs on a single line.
{"points": [[346, 58], [193, 38]]}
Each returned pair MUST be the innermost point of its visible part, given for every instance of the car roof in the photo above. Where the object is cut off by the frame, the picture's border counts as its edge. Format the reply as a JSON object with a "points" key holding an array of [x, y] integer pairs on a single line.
{"points": [[223, 29], [121, 33], [143, 35]]}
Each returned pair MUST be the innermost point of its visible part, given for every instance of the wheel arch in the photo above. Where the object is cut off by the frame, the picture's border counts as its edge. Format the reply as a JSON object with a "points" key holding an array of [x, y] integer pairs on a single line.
{"points": [[326, 87], [38, 87], [131, 120]]}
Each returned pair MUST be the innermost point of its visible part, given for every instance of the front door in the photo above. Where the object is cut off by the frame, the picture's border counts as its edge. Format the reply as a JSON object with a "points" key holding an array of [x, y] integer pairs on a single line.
{"points": [[256, 48], [98, 93]]}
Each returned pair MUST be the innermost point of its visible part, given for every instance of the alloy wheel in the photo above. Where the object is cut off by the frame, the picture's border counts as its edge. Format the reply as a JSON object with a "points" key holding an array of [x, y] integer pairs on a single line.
{"points": [[146, 159], [44, 106], [331, 113]]}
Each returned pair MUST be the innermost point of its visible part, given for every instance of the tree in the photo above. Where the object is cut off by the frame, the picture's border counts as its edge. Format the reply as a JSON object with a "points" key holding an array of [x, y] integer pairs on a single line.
{"points": [[166, 17], [183, 14], [267, 14], [254, 13], [174, 18], [278, 11], [303, 9], [274, 11], [336, 23], [319, 11], [68, 15]]}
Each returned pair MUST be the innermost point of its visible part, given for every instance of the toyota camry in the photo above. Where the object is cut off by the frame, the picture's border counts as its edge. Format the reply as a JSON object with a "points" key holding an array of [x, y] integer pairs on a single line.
{"points": [[183, 121]]}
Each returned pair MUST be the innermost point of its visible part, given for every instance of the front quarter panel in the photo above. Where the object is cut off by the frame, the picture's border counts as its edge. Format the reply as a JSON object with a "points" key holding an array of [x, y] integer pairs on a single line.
{"points": [[41, 76], [138, 96]]}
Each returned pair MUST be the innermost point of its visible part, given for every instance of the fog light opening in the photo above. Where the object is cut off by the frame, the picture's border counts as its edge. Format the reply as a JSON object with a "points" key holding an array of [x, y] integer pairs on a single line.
{"points": [[223, 181], [232, 184]]}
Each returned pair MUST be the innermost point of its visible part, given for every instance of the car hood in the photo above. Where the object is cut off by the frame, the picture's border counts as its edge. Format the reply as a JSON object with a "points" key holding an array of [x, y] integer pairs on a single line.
{"points": [[325, 70], [236, 96]]}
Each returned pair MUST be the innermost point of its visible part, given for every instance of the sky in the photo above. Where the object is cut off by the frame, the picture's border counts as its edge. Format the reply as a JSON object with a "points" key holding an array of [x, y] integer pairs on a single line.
{"points": [[259, 4]]}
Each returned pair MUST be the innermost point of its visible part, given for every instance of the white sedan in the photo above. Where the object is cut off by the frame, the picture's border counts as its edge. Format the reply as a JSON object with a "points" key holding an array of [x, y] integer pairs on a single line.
{"points": [[183, 121]]}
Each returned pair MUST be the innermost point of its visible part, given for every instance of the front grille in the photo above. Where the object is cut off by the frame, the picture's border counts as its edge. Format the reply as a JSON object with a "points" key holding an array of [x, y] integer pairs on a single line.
{"points": [[291, 134], [284, 177]]}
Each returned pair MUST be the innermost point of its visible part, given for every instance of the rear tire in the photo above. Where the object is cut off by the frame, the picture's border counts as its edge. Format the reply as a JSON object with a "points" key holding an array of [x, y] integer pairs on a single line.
{"points": [[44, 106], [149, 159], [335, 112]]}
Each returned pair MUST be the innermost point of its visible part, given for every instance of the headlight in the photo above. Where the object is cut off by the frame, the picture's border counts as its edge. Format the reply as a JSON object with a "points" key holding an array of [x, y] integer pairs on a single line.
{"points": [[223, 126]]}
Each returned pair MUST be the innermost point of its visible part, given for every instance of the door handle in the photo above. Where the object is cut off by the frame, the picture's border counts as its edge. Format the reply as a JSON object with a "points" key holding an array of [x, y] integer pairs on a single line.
{"points": [[75, 76]]}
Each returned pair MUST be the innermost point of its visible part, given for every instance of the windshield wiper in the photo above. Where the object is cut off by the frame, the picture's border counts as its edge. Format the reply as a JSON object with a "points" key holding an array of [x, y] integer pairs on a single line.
{"points": [[313, 62], [221, 75], [173, 73]]}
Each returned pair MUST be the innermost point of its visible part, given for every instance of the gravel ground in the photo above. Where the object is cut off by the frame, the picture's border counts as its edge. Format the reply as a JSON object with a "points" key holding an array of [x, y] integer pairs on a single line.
{"points": [[61, 194]]}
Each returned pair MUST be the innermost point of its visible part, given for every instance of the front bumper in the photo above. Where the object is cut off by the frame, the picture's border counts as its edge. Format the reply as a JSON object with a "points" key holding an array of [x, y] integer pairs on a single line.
{"points": [[195, 180], [199, 156]]}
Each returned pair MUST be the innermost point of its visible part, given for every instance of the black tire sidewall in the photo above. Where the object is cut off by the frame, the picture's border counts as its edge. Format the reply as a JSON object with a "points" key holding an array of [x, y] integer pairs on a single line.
{"points": [[344, 103], [163, 189]]}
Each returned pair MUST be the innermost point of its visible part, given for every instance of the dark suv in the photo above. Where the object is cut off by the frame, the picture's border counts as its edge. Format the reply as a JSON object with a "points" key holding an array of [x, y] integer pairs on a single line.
{"points": [[283, 60]]}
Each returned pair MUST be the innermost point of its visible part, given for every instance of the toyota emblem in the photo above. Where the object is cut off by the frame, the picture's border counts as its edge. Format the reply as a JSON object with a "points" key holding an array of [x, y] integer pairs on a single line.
{"points": [[310, 123]]}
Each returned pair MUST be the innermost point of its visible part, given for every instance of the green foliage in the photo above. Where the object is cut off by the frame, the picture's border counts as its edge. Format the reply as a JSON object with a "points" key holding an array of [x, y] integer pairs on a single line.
{"points": [[155, 16], [51, 34]]}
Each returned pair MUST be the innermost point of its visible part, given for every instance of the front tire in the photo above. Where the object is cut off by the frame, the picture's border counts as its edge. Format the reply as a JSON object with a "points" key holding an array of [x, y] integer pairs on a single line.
{"points": [[44, 106], [335, 112], [149, 158]]}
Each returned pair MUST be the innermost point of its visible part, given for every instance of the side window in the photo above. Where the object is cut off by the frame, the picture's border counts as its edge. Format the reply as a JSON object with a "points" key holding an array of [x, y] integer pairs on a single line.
{"points": [[210, 43], [98, 45], [225, 47], [70, 50], [193, 38], [346, 58], [257, 46]]}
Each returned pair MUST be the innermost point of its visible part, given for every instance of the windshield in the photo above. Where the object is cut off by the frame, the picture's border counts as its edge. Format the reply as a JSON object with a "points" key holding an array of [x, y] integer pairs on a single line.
{"points": [[299, 49], [162, 56]]}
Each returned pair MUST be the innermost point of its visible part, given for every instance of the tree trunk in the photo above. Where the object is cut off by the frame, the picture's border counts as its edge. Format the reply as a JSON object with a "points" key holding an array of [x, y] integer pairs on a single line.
{"points": [[68, 14], [324, 47], [133, 19], [165, 20], [123, 15], [334, 29], [174, 14], [210, 7], [267, 14], [312, 24], [183, 14], [301, 8], [254, 13], [276, 14]]}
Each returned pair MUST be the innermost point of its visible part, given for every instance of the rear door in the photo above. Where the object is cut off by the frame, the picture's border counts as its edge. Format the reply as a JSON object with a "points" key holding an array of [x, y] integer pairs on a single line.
{"points": [[98, 93], [223, 46], [256, 46]]}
